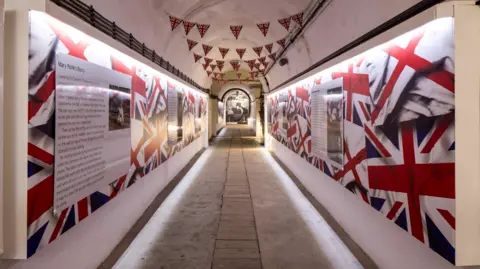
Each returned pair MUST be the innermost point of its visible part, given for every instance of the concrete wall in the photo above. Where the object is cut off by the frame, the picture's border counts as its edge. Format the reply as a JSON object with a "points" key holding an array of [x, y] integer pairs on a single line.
{"points": [[341, 22]]}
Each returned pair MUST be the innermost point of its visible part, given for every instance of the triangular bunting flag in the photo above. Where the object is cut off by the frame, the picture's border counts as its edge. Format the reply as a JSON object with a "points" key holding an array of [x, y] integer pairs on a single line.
{"points": [[241, 52], [207, 60], [213, 66], [220, 62], [272, 56], [239, 75], [215, 74], [197, 57], [174, 22], [258, 50], [257, 65], [298, 18], [223, 51], [205, 66], [265, 64], [281, 42], [236, 29], [269, 47], [262, 59], [191, 44], [263, 28], [285, 22], [251, 64], [206, 49], [209, 73], [220, 67], [202, 29], [188, 26]]}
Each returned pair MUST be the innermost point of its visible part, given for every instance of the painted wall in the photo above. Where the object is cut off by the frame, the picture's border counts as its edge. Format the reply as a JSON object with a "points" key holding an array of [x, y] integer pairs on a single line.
{"points": [[398, 134], [101, 220], [346, 20]]}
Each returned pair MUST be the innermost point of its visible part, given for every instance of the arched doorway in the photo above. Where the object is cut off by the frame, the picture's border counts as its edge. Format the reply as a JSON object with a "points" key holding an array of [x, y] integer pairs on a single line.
{"points": [[237, 106]]}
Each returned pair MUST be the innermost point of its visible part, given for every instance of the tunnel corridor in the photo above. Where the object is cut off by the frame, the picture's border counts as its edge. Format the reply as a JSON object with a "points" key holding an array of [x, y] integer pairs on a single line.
{"points": [[237, 208]]}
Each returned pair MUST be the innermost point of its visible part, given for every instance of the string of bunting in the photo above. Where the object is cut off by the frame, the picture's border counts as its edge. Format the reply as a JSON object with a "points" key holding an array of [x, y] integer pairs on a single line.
{"points": [[240, 51], [235, 29]]}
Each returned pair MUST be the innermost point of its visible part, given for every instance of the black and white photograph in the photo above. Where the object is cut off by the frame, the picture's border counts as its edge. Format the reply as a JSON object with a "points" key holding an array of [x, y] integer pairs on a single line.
{"points": [[334, 100], [238, 107], [118, 110]]}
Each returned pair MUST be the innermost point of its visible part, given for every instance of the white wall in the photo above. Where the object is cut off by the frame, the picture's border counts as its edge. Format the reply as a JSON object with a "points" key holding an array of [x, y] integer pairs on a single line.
{"points": [[341, 22]]}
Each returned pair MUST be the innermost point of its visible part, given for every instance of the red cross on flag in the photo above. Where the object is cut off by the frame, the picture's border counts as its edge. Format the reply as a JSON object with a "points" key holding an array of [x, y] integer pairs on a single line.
{"points": [[241, 52], [298, 18], [251, 64], [205, 66], [209, 73], [174, 22], [191, 44], [213, 66], [220, 67], [223, 52], [202, 29], [262, 59], [285, 22], [258, 50], [197, 57], [188, 26], [264, 28], [215, 74], [236, 29], [281, 42], [206, 49]]}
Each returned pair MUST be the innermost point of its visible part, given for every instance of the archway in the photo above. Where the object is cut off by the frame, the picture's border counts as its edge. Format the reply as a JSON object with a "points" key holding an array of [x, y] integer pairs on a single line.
{"points": [[237, 106]]}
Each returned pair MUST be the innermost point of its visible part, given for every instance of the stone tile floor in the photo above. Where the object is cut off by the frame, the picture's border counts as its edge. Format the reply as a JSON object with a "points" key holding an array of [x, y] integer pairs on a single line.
{"points": [[237, 211]]}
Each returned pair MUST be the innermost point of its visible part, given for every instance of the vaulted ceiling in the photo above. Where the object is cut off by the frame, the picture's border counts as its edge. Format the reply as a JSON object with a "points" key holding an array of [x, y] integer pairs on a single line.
{"points": [[148, 21]]}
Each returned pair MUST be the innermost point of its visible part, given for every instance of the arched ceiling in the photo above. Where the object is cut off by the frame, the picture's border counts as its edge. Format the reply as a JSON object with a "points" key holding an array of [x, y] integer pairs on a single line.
{"points": [[148, 21]]}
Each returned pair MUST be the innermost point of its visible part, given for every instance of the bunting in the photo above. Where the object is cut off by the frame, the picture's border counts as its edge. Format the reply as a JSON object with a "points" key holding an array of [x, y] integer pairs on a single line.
{"points": [[220, 67], [258, 50], [285, 22], [215, 74], [251, 64], [188, 26], [205, 66], [281, 42], [241, 52], [197, 57], [298, 18], [221, 75], [174, 22], [265, 64], [202, 29], [209, 73], [235, 65], [239, 75], [236, 30], [213, 66], [263, 27], [223, 52], [269, 47], [257, 65], [272, 56], [207, 60], [262, 59], [219, 62], [206, 49], [191, 44]]}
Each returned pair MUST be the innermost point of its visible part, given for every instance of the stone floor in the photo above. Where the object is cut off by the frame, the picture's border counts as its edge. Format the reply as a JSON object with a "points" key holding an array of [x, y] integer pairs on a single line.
{"points": [[236, 208]]}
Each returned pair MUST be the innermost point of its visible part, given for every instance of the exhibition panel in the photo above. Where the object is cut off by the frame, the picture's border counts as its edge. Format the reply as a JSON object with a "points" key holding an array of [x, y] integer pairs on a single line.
{"points": [[221, 116], [382, 125], [98, 121]]}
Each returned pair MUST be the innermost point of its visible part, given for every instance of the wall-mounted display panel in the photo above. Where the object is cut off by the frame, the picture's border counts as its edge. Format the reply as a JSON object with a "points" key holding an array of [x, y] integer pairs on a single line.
{"points": [[382, 125], [109, 125]]}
